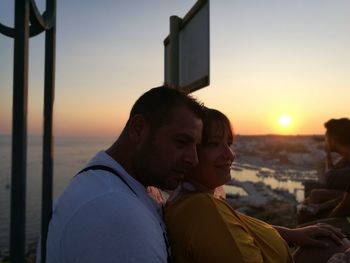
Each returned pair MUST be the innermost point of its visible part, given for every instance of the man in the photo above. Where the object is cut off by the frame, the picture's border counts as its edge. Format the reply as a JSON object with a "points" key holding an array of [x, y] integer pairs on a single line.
{"points": [[334, 201], [105, 214], [338, 174], [338, 141]]}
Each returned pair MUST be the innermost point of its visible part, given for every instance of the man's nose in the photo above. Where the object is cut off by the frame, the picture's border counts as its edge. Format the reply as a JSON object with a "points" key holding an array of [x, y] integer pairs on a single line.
{"points": [[191, 157]]}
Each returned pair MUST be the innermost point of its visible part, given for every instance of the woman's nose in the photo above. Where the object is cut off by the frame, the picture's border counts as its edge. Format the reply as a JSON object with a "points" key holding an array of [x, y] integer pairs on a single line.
{"points": [[233, 155], [229, 153]]}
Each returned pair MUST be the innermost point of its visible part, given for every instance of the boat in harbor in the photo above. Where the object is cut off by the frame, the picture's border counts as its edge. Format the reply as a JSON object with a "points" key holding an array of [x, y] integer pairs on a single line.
{"points": [[248, 166], [236, 168], [263, 173]]}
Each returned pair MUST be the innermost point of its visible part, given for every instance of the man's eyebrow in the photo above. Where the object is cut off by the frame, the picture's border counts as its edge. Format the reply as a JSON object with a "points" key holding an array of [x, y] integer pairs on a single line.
{"points": [[184, 136], [216, 137]]}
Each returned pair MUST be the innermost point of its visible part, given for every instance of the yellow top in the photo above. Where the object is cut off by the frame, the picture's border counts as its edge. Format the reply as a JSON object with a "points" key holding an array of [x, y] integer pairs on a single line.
{"points": [[204, 229]]}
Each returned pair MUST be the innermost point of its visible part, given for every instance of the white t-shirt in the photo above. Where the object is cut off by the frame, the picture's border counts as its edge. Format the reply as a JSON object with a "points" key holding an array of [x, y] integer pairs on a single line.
{"points": [[98, 218]]}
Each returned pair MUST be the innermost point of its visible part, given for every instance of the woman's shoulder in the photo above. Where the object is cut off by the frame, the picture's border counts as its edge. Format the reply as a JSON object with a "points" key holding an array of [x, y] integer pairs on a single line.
{"points": [[197, 202], [198, 198], [198, 207]]}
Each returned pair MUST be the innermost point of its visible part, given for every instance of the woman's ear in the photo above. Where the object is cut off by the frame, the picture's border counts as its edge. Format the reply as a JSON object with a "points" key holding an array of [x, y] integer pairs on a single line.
{"points": [[138, 129]]}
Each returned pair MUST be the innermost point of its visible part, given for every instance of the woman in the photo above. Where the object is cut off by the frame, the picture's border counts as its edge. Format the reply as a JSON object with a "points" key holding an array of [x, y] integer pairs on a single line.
{"points": [[203, 228]]}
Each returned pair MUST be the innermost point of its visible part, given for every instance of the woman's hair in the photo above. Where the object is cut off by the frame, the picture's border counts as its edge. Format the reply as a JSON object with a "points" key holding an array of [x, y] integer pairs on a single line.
{"points": [[214, 118], [339, 129]]}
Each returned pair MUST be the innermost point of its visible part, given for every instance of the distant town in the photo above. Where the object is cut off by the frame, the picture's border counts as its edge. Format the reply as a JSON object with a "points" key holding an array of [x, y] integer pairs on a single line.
{"points": [[281, 152], [269, 174]]}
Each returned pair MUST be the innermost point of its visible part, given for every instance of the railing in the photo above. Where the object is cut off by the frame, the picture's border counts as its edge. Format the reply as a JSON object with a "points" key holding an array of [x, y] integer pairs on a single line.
{"points": [[28, 23]]}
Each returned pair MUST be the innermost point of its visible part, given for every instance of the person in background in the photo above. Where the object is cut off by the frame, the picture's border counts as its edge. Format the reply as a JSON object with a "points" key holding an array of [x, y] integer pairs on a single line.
{"points": [[337, 141], [105, 213], [332, 201], [206, 229]]}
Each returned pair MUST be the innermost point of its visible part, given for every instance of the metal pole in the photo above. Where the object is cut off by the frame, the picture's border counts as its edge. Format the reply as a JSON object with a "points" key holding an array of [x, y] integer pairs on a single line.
{"points": [[19, 132], [175, 24], [49, 92]]}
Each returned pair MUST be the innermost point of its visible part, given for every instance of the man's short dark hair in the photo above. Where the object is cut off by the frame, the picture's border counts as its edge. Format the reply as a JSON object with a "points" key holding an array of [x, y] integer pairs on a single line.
{"points": [[339, 129], [157, 105]]}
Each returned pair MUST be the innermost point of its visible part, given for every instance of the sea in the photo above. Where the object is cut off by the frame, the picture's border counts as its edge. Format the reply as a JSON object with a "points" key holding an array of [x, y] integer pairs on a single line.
{"points": [[71, 154]]}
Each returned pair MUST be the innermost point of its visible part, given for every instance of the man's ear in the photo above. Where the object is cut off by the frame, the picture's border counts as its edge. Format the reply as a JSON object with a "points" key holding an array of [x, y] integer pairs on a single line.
{"points": [[137, 129]]}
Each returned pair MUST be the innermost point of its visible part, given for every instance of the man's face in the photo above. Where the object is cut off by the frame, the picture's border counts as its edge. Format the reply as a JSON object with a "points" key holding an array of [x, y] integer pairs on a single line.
{"points": [[168, 153], [330, 143]]}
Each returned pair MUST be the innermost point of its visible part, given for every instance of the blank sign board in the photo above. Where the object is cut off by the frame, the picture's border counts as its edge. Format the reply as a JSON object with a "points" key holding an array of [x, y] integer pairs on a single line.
{"points": [[193, 60]]}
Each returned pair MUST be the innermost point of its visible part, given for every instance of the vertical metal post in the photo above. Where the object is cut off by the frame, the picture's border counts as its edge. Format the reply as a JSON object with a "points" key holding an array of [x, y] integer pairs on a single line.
{"points": [[19, 132], [175, 24], [49, 92]]}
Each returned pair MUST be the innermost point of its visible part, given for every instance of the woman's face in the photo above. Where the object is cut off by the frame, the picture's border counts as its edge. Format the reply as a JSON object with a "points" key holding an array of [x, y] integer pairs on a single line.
{"points": [[215, 159]]}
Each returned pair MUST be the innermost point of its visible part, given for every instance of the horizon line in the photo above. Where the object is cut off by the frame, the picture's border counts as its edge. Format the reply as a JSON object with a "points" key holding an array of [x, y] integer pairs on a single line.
{"points": [[106, 136]]}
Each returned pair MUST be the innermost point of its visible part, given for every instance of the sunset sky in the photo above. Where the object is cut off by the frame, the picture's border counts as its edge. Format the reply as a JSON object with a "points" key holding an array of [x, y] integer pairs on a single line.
{"points": [[276, 66]]}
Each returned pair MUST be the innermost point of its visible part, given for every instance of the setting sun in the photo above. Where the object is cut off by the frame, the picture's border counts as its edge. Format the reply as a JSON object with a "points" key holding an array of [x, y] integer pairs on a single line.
{"points": [[285, 120], [285, 123]]}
